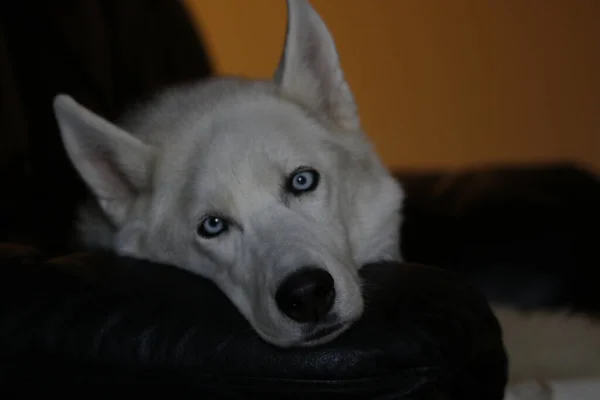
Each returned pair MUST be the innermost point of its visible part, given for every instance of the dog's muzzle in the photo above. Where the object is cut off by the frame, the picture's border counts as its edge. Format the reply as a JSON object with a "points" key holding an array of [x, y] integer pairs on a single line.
{"points": [[312, 293]]}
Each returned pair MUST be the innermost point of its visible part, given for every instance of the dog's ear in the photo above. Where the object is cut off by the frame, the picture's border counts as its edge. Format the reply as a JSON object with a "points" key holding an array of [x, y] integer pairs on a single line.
{"points": [[114, 164], [309, 68]]}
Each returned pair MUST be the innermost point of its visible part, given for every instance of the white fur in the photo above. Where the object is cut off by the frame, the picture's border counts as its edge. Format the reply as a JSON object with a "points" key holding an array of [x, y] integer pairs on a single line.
{"points": [[225, 146]]}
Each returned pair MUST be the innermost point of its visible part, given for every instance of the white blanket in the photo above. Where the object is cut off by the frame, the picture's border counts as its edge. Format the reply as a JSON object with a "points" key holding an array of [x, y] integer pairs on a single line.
{"points": [[573, 389]]}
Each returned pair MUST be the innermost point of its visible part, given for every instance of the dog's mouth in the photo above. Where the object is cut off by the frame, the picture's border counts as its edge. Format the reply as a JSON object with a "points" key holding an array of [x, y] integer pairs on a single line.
{"points": [[324, 334], [318, 336]]}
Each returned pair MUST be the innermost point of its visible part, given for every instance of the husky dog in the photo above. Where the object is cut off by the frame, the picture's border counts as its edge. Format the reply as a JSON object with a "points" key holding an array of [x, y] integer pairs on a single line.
{"points": [[268, 188]]}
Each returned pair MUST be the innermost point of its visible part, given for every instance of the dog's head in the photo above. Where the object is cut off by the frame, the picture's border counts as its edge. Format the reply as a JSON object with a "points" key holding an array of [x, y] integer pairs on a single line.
{"points": [[269, 189]]}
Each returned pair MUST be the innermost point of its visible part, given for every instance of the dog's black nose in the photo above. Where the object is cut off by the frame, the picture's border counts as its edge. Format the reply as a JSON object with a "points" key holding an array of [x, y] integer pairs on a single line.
{"points": [[306, 295]]}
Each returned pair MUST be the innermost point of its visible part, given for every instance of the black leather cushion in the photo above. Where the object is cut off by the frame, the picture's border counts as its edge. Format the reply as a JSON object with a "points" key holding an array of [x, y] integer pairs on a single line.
{"points": [[99, 318]]}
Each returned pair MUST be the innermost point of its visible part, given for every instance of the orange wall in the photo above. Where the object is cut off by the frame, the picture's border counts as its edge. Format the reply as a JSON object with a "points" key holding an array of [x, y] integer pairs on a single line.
{"points": [[444, 83]]}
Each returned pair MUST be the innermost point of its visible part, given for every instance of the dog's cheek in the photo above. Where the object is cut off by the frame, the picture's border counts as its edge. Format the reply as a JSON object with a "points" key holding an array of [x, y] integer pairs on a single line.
{"points": [[226, 259], [129, 242]]}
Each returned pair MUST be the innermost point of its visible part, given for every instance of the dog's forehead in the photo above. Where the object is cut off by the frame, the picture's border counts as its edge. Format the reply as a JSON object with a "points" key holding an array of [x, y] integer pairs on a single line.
{"points": [[260, 133], [252, 144]]}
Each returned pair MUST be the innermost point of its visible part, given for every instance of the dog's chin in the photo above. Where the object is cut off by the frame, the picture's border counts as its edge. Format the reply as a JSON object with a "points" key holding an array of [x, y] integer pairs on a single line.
{"points": [[324, 335], [319, 336]]}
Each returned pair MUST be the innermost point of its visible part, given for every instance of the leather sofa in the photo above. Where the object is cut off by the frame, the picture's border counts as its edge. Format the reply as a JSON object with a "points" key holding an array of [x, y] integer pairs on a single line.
{"points": [[525, 235]]}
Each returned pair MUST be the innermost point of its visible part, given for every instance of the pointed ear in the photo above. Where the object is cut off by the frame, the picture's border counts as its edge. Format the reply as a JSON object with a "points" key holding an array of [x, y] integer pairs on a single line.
{"points": [[309, 69], [115, 165]]}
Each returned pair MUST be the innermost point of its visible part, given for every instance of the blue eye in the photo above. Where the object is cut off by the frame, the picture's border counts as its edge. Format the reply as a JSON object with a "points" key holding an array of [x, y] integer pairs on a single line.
{"points": [[303, 181], [212, 226]]}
